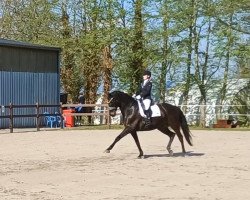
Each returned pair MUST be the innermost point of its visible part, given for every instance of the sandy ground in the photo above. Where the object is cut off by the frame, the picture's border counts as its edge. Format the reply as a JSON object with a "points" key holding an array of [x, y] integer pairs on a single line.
{"points": [[71, 165]]}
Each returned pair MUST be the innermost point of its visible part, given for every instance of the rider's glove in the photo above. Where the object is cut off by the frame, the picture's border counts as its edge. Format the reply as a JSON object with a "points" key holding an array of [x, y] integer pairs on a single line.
{"points": [[134, 96], [138, 97]]}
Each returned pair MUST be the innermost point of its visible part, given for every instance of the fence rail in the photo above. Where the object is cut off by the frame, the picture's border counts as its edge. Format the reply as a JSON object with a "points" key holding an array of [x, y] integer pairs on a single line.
{"points": [[213, 112], [210, 112], [103, 112], [11, 107], [36, 114]]}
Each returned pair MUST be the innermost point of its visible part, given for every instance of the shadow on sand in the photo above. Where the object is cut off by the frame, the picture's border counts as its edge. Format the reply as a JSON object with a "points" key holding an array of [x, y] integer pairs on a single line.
{"points": [[188, 154]]}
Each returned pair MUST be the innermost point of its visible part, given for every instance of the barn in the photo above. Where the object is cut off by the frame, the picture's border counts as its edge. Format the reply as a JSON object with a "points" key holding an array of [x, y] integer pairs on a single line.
{"points": [[28, 74]]}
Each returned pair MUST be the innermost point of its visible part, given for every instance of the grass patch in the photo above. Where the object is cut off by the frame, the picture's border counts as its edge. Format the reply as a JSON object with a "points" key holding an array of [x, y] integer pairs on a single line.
{"points": [[220, 129], [95, 127]]}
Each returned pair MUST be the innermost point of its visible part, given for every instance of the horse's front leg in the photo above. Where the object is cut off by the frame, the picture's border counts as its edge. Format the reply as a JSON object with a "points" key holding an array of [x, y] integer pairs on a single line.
{"points": [[135, 136], [126, 131]]}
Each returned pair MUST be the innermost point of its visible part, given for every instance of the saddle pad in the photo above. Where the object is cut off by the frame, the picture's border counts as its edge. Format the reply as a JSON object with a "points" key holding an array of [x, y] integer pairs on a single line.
{"points": [[155, 110]]}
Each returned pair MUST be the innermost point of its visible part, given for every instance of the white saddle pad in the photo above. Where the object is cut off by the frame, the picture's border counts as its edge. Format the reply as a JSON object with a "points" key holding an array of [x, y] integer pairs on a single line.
{"points": [[155, 110]]}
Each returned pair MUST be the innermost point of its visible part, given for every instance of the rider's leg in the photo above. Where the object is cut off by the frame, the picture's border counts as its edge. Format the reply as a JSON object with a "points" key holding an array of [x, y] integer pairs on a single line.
{"points": [[147, 111], [147, 103]]}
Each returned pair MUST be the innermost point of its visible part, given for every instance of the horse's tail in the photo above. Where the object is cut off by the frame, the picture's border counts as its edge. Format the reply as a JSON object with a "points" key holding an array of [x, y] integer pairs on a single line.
{"points": [[185, 129]]}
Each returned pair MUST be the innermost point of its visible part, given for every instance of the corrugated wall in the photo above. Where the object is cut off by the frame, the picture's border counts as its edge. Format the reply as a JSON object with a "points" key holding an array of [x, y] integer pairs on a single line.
{"points": [[27, 88], [28, 60]]}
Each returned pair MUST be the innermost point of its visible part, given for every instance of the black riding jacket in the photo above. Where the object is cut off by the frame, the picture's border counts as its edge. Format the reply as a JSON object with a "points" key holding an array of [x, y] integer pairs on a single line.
{"points": [[145, 90]]}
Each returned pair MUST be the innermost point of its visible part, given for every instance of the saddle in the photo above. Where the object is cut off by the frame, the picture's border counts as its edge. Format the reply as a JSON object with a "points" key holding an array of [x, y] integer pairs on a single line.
{"points": [[155, 110]]}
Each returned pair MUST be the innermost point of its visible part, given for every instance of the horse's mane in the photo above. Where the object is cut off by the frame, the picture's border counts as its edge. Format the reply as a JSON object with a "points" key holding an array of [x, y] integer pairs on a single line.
{"points": [[124, 96]]}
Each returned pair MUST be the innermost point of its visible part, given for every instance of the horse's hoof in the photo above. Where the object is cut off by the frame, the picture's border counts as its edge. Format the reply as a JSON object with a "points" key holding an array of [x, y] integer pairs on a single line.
{"points": [[171, 153], [107, 151], [141, 157]]}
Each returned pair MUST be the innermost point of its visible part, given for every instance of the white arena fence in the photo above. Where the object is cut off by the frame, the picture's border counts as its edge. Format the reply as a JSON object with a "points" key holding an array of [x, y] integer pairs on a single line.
{"points": [[100, 113], [214, 113]]}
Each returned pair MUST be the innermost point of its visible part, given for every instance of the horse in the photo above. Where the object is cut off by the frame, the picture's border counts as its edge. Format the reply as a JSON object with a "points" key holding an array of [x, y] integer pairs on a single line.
{"points": [[171, 117]]}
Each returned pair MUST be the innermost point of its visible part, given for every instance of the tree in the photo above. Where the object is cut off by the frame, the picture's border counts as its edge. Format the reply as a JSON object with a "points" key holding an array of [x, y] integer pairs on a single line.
{"points": [[227, 40], [108, 31], [70, 73], [241, 99], [136, 62], [192, 43]]}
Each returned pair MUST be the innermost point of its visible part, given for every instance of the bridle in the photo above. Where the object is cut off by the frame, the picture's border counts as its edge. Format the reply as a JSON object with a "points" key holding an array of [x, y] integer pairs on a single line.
{"points": [[110, 100], [111, 108]]}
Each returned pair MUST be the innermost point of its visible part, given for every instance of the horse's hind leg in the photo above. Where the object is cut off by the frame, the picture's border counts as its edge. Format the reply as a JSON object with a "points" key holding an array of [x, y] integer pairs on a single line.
{"points": [[134, 135], [177, 130], [170, 151], [171, 135]]}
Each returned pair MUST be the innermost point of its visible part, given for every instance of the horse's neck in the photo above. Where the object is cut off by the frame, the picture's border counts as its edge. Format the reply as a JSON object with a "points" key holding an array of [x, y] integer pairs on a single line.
{"points": [[127, 105]]}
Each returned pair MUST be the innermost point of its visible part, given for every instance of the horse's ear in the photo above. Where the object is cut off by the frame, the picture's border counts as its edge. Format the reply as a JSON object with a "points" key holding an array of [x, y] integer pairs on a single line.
{"points": [[110, 95]]}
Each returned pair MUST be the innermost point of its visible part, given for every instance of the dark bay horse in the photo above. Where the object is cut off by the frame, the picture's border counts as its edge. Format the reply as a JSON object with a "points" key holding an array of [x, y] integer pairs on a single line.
{"points": [[171, 117]]}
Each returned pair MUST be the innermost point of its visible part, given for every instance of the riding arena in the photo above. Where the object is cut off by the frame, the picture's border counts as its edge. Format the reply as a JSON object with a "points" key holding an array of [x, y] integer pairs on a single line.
{"points": [[71, 164]]}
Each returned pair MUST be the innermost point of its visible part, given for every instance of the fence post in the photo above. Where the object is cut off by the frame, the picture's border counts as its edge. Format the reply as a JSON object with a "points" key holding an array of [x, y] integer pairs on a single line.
{"points": [[108, 117], [11, 118], [37, 117], [61, 115]]}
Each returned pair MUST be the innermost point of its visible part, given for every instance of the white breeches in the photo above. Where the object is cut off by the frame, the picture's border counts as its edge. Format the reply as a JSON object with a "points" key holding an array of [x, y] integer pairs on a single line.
{"points": [[147, 103]]}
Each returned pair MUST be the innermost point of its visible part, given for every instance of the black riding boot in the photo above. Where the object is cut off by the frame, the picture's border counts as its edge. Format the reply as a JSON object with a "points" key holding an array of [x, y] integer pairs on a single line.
{"points": [[148, 117]]}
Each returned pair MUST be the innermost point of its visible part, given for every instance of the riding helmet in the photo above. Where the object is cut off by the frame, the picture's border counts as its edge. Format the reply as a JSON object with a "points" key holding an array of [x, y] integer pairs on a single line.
{"points": [[146, 72]]}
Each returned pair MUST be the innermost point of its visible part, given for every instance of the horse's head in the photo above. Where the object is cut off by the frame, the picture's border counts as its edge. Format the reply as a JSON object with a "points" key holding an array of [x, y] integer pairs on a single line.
{"points": [[114, 103], [119, 99]]}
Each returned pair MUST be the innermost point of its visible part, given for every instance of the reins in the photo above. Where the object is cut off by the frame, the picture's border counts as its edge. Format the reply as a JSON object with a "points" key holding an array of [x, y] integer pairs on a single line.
{"points": [[110, 100]]}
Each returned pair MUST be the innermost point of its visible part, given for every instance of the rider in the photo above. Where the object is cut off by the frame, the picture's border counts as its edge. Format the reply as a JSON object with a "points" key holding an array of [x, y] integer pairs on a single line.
{"points": [[145, 95]]}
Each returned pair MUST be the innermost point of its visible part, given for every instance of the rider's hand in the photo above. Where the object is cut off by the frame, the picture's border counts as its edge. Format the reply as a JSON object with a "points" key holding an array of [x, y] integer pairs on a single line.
{"points": [[138, 97], [134, 96]]}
